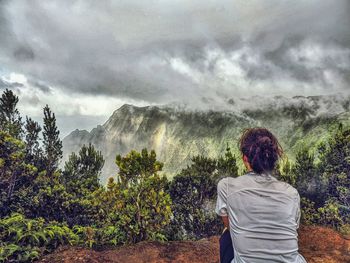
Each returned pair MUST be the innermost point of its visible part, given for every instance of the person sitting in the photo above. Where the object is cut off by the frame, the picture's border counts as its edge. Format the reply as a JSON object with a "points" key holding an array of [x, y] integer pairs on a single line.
{"points": [[261, 213]]}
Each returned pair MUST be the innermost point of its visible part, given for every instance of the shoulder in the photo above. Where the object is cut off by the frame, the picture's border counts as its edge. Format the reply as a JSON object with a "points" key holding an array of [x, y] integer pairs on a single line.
{"points": [[288, 189], [222, 184], [234, 182]]}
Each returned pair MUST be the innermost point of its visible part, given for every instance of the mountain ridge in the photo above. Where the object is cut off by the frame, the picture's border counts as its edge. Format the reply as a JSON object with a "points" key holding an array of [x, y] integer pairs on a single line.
{"points": [[178, 134]]}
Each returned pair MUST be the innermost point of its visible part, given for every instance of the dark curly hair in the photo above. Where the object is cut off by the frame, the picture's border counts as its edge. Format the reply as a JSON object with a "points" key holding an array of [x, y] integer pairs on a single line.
{"points": [[261, 148]]}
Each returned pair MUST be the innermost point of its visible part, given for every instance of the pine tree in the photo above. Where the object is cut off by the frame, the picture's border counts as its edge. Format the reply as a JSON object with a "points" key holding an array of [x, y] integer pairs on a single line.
{"points": [[33, 150], [10, 119], [52, 142], [82, 171]]}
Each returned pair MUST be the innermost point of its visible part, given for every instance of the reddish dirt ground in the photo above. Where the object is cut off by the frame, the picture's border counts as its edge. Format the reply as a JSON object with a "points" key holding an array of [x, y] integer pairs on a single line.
{"points": [[316, 244]]}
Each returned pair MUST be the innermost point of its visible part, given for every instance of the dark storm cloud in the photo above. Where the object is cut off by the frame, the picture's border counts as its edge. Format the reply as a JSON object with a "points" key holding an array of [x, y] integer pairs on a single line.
{"points": [[39, 85], [185, 51], [22, 53]]}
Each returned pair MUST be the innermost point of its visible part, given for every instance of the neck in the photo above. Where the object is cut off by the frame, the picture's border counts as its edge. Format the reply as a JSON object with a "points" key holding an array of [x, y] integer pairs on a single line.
{"points": [[262, 173]]}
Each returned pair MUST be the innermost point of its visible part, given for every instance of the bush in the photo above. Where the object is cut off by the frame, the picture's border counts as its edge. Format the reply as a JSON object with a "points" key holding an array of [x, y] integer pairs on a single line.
{"points": [[110, 236], [193, 192], [309, 214], [330, 215], [140, 206], [345, 229], [24, 240]]}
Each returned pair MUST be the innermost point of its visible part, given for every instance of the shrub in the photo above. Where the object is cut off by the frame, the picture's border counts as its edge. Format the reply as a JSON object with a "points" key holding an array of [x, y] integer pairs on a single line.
{"points": [[309, 214], [193, 192], [329, 214], [24, 240], [140, 206]]}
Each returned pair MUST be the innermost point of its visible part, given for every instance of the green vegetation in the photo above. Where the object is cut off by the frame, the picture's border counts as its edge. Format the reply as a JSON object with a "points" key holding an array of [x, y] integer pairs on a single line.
{"points": [[193, 192], [43, 206], [138, 202], [323, 182], [25, 239]]}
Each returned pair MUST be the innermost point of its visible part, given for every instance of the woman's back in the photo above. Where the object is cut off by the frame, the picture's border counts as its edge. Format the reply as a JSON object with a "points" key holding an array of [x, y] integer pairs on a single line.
{"points": [[264, 215]]}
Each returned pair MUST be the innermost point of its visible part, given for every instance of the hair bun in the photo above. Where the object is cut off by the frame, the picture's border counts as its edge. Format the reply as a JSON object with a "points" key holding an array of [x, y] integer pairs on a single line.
{"points": [[264, 141], [261, 148], [266, 147]]}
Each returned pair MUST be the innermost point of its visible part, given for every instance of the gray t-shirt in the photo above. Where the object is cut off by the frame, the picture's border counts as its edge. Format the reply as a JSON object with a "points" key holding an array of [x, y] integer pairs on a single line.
{"points": [[264, 215]]}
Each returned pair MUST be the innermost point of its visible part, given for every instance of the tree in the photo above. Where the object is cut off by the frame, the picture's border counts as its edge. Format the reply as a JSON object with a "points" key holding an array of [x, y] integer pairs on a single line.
{"points": [[81, 172], [307, 179], [143, 206], [52, 142], [193, 192], [10, 119], [329, 201], [66, 196], [335, 168], [227, 165], [33, 150], [284, 171], [50, 199], [15, 174]]}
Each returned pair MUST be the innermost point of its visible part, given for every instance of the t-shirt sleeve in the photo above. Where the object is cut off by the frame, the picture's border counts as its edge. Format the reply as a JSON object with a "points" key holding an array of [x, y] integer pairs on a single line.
{"points": [[221, 202]]}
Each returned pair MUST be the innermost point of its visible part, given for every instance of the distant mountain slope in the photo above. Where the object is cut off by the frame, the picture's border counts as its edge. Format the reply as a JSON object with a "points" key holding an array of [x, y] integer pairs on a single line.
{"points": [[177, 134]]}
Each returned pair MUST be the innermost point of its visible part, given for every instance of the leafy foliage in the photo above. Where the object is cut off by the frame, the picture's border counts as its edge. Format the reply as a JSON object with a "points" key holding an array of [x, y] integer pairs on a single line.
{"points": [[143, 205], [227, 164], [10, 119], [307, 179], [334, 169], [329, 214], [81, 172], [324, 187], [24, 240], [309, 214], [52, 142], [33, 151], [15, 173], [80, 179], [193, 192], [335, 166], [284, 171]]}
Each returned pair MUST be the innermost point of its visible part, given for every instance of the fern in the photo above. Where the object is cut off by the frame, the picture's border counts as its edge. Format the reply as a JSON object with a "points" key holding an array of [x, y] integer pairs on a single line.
{"points": [[24, 240], [7, 251], [29, 254]]}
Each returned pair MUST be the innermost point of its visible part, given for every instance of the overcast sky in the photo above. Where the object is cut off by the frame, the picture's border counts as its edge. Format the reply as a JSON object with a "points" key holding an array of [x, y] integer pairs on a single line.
{"points": [[86, 58]]}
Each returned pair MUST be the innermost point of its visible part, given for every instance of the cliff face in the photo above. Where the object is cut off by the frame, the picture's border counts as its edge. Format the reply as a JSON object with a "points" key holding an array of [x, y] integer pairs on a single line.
{"points": [[177, 134]]}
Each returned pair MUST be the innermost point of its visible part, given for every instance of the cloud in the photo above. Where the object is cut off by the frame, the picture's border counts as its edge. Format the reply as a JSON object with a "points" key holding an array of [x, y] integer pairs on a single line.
{"points": [[73, 110], [9, 85], [195, 52], [34, 96]]}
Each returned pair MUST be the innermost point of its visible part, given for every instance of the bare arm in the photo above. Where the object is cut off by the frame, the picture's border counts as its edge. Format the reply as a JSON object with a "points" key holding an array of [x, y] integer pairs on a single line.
{"points": [[221, 202], [225, 221]]}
